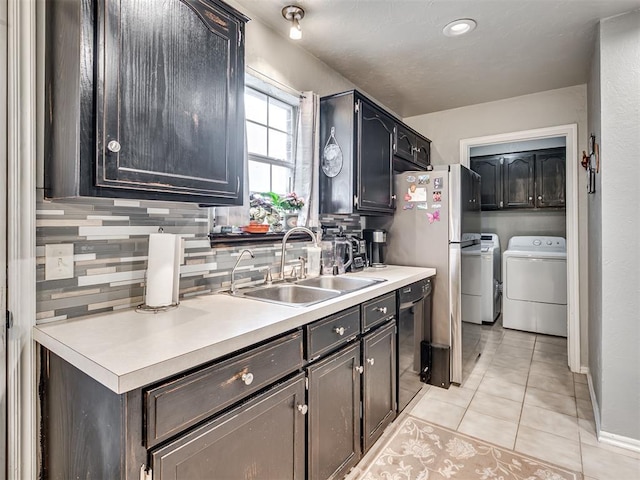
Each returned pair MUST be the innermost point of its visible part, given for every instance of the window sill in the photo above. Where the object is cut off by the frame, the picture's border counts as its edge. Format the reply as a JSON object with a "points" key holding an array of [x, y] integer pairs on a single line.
{"points": [[233, 239]]}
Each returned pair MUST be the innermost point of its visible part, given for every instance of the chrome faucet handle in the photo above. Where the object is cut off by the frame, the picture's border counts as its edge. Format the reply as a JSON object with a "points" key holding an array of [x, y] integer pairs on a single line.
{"points": [[268, 278], [294, 271], [303, 264]]}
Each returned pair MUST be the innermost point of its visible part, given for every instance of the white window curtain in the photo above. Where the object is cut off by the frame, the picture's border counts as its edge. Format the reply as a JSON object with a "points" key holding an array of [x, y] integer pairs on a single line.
{"points": [[307, 159]]}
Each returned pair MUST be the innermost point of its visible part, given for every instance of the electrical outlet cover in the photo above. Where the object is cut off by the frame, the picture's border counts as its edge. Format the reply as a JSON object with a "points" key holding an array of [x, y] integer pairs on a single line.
{"points": [[58, 261]]}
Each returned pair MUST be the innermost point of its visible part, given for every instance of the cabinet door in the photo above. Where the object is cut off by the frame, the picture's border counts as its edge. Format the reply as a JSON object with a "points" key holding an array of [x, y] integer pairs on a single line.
{"points": [[423, 152], [375, 156], [405, 144], [490, 171], [379, 382], [550, 179], [334, 414], [518, 181], [170, 109], [263, 438]]}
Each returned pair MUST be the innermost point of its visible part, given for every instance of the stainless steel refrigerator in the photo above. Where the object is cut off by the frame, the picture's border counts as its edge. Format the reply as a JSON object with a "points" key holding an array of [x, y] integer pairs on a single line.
{"points": [[437, 216]]}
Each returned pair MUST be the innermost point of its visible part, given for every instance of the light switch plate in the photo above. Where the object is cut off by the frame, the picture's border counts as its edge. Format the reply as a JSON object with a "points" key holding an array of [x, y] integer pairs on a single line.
{"points": [[58, 261]]}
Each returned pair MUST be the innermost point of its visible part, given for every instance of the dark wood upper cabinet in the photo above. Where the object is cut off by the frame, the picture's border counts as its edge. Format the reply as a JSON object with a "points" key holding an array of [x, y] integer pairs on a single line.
{"points": [[411, 147], [490, 171], [151, 107], [375, 174], [550, 179], [535, 179], [518, 185], [405, 143], [356, 154]]}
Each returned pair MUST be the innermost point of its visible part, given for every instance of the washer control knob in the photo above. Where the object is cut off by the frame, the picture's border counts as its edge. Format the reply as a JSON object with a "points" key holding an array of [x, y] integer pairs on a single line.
{"points": [[549, 242], [537, 242]]}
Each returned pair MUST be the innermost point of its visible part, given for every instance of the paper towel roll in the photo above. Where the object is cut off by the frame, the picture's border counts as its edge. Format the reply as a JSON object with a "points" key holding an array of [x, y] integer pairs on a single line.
{"points": [[162, 266]]}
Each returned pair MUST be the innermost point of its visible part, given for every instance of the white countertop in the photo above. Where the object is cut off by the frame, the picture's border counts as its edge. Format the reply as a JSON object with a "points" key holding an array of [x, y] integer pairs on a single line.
{"points": [[126, 350]]}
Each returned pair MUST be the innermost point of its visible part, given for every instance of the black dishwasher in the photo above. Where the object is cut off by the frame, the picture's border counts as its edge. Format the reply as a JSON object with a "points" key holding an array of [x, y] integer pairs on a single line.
{"points": [[414, 326]]}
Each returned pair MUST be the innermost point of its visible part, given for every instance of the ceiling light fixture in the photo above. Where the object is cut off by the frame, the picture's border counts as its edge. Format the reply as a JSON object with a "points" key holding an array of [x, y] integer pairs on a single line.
{"points": [[294, 14], [459, 27]]}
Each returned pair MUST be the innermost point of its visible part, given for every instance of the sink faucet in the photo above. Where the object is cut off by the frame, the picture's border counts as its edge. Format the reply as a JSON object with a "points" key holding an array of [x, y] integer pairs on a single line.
{"points": [[232, 290], [284, 244]]}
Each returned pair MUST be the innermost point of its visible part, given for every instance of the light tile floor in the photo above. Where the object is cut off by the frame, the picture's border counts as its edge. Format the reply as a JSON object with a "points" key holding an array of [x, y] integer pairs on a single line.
{"points": [[518, 392]]}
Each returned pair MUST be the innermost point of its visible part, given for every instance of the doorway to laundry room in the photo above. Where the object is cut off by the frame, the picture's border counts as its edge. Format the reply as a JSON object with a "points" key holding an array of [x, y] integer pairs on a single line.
{"points": [[528, 196]]}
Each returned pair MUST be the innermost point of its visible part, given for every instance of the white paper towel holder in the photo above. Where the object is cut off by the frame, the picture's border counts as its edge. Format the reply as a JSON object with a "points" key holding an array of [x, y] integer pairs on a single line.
{"points": [[144, 308]]}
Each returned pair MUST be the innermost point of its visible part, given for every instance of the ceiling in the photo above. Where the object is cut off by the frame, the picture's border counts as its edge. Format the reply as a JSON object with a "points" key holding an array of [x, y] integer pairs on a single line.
{"points": [[395, 50]]}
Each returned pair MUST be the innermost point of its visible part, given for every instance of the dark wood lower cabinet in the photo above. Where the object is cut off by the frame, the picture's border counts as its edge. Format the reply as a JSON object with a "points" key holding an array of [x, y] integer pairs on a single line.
{"points": [[300, 419], [263, 438], [379, 382], [334, 414], [88, 431]]}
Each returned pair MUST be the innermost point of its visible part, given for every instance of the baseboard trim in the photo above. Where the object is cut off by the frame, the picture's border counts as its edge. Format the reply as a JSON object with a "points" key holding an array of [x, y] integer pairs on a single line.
{"points": [[594, 403], [619, 441], [606, 437]]}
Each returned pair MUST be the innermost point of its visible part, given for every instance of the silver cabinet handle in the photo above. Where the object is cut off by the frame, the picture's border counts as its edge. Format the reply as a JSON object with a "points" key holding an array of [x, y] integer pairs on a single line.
{"points": [[247, 378], [303, 409], [530, 198], [113, 146], [382, 310], [359, 369], [339, 330], [539, 197], [371, 361]]}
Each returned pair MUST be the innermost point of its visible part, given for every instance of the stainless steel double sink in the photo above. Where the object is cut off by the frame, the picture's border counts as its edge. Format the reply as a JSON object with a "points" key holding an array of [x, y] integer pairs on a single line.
{"points": [[309, 291]]}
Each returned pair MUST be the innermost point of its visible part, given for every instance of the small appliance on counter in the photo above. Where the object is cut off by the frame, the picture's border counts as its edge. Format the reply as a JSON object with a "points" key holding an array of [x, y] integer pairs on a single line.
{"points": [[337, 250], [376, 240], [358, 254]]}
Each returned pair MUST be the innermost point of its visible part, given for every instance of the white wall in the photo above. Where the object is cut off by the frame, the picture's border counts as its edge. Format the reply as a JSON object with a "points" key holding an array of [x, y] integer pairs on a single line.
{"points": [[545, 109], [619, 198], [281, 59], [595, 238]]}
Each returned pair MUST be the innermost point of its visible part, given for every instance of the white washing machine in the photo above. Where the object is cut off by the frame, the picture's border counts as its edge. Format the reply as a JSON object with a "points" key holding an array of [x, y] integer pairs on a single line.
{"points": [[491, 288], [534, 275], [480, 287]]}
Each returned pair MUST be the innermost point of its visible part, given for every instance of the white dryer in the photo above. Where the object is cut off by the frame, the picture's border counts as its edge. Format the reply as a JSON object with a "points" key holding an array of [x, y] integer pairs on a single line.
{"points": [[471, 284], [534, 275], [491, 265]]}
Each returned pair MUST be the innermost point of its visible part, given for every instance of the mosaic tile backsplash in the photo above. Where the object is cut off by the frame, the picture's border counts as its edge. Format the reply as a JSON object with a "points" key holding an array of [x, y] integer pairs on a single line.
{"points": [[110, 243]]}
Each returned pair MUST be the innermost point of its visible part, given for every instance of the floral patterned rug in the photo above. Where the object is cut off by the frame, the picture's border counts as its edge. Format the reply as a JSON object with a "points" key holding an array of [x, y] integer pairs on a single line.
{"points": [[419, 450]]}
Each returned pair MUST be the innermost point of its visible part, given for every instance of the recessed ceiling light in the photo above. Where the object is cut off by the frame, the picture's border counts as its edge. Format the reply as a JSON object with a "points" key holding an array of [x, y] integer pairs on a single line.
{"points": [[459, 27]]}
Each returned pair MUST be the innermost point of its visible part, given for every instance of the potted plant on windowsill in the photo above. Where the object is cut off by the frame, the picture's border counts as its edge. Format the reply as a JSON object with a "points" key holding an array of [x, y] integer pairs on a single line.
{"points": [[279, 211], [290, 205]]}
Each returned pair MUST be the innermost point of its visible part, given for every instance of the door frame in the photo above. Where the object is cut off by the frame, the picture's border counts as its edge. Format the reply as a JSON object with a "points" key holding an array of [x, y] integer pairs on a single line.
{"points": [[570, 133], [22, 132], [3, 235]]}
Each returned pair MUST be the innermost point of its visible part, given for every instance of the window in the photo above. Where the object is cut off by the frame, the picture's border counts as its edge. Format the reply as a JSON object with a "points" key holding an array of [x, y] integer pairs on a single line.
{"points": [[271, 124]]}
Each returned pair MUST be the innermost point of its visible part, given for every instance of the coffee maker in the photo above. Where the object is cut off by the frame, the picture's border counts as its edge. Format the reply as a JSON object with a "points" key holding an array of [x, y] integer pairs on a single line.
{"points": [[376, 240]]}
